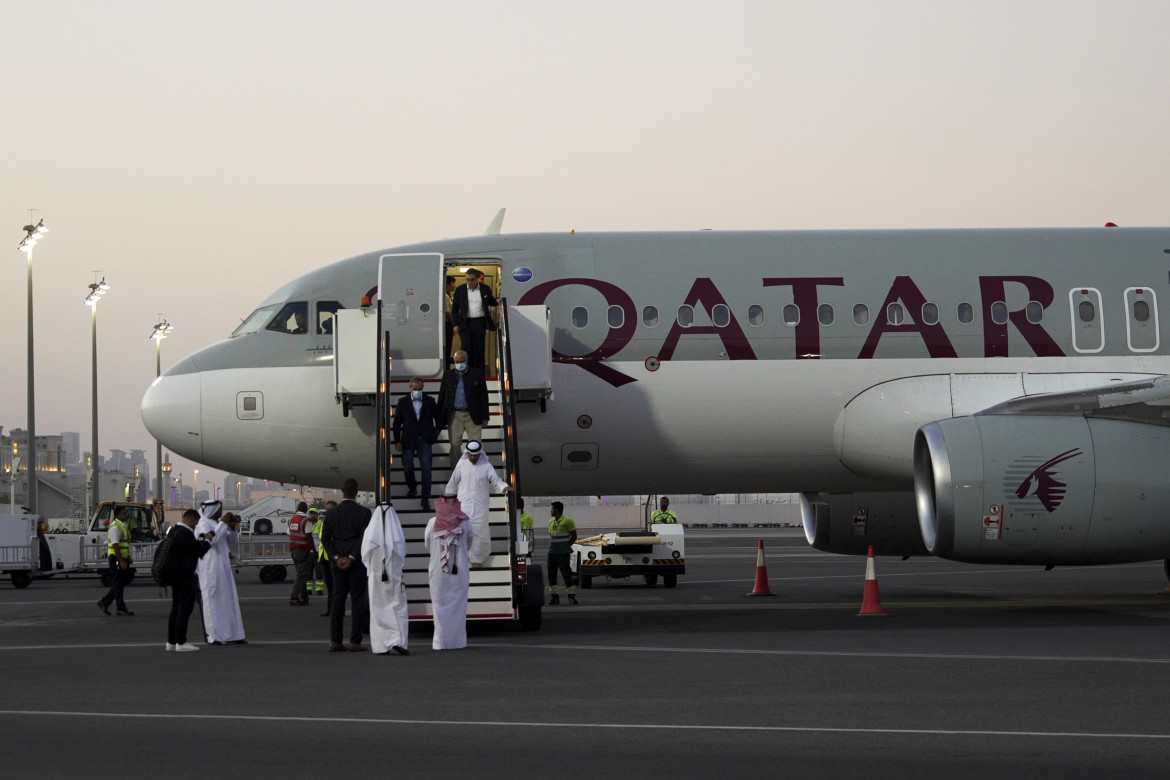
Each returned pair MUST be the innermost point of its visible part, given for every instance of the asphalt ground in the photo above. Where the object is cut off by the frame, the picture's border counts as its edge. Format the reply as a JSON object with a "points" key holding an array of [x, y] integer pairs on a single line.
{"points": [[974, 672]]}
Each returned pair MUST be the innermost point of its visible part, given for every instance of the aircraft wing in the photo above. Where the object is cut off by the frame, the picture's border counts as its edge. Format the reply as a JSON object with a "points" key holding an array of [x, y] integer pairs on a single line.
{"points": [[1144, 400]]}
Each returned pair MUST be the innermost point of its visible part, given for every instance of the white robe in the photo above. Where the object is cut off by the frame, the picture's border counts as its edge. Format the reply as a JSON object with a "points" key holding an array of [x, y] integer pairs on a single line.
{"points": [[221, 603], [383, 544], [449, 589], [472, 484]]}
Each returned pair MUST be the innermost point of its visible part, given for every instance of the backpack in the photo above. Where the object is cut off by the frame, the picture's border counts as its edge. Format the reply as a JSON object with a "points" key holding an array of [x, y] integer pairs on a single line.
{"points": [[165, 565]]}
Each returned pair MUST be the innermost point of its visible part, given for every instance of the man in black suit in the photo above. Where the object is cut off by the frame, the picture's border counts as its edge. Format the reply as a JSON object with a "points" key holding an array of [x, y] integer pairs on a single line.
{"points": [[342, 538], [416, 428], [472, 317], [463, 404], [185, 583]]}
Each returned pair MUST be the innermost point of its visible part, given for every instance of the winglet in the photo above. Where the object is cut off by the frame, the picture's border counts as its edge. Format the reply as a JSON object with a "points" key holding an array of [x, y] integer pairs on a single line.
{"points": [[493, 228]]}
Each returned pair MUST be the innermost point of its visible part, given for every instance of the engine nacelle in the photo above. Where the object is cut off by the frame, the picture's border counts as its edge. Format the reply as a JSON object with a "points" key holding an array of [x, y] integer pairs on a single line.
{"points": [[849, 523], [1050, 490]]}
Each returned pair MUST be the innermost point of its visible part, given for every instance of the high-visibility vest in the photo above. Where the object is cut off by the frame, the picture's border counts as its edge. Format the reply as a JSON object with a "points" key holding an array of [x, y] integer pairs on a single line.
{"points": [[661, 516], [317, 526], [123, 545]]}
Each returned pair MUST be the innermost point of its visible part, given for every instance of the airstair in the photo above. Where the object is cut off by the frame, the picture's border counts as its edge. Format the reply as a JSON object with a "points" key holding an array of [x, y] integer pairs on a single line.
{"points": [[508, 586]]}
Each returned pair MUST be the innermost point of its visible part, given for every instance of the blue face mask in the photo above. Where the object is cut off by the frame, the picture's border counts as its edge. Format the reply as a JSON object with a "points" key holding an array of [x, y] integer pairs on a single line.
{"points": [[460, 366], [416, 394]]}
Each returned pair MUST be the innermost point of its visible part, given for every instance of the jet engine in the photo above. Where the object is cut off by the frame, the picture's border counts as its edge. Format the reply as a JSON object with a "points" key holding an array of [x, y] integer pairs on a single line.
{"points": [[1043, 489], [849, 523]]}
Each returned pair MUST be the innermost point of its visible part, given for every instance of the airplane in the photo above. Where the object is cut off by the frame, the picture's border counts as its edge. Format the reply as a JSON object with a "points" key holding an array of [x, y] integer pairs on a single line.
{"points": [[989, 396]]}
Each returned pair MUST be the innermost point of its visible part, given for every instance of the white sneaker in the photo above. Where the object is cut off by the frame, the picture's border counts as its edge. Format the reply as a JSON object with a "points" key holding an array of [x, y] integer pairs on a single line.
{"points": [[170, 647], [186, 647]]}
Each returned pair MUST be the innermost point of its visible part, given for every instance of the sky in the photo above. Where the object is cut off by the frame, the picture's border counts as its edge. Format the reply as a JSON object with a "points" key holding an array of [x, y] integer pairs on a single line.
{"points": [[200, 155]]}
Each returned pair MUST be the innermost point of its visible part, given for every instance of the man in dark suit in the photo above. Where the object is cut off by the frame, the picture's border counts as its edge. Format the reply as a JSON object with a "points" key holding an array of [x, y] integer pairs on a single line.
{"points": [[185, 584], [342, 538], [416, 428], [472, 317], [463, 404]]}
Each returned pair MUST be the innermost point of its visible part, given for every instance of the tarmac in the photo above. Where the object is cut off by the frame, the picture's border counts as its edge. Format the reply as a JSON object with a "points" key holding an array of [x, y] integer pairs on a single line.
{"points": [[975, 671]]}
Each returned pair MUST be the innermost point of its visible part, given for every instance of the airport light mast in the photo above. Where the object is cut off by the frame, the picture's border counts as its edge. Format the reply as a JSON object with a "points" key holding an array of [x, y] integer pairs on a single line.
{"points": [[96, 291], [160, 332], [33, 234]]}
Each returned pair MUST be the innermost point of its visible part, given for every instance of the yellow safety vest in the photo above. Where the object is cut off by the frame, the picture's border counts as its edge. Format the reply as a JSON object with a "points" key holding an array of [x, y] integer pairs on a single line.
{"points": [[317, 526], [663, 517], [123, 545]]}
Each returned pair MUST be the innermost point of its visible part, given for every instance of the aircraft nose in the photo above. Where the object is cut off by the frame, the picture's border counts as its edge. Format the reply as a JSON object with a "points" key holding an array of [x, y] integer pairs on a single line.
{"points": [[171, 412]]}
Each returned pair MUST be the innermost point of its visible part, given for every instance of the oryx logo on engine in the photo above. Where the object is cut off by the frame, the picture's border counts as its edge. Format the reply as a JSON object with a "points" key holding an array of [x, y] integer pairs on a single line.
{"points": [[1042, 482]]}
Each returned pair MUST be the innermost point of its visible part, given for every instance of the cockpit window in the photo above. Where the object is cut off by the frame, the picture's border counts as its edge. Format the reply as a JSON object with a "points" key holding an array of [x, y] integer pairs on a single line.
{"points": [[325, 313], [255, 320], [293, 318]]}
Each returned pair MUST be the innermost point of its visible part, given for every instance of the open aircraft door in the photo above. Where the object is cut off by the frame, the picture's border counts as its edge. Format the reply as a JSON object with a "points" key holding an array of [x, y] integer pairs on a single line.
{"points": [[411, 289]]}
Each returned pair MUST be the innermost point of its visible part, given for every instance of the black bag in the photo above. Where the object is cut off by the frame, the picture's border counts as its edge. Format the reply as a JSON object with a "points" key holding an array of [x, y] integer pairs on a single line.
{"points": [[165, 565]]}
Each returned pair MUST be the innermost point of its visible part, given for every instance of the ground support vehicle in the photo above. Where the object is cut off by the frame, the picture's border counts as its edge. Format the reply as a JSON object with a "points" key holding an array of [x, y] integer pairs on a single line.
{"points": [[623, 554], [271, 554], [268, 516], [19, 550], [146, 526]]}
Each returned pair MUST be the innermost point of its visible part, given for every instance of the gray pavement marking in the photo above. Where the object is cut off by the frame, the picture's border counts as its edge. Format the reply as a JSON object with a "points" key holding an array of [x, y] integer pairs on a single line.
{"points": [[316, 720]]}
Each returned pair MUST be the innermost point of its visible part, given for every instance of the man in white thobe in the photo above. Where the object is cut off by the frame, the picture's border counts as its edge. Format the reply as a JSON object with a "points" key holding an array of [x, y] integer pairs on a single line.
{"points": [[221, 603], [447, 538], [383, 553], [471, 482]]}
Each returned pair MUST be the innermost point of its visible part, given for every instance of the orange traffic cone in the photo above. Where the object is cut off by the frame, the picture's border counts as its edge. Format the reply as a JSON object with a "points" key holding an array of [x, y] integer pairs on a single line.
{"points": [[761, 588], [871, 604]]}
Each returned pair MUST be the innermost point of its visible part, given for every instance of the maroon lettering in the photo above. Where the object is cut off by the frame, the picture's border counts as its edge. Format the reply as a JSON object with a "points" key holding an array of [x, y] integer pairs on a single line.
{"points": [[615, 340], [993, 289], [905, 291], [704, 292], [804, 295]]}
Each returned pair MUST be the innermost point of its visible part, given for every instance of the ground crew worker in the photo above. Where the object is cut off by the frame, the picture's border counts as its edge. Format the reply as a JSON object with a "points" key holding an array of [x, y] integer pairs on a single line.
{"points": [[118, 554], [663, 513], [324, 576], [563, 533], [526, 525], [300, 543]]}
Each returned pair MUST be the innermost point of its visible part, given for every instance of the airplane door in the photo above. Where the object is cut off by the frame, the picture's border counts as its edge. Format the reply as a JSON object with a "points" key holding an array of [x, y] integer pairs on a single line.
{"points": [[411, 289]]}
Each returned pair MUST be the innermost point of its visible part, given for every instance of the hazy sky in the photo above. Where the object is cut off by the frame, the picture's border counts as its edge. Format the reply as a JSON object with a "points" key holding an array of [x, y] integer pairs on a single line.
{"points": [[200, 155]]}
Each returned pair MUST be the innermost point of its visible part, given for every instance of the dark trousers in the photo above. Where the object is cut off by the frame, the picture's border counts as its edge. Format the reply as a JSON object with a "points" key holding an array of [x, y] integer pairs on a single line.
{"points": [[473, 339], [303, 563], [349, 582], [561, 563], [184, 594], [422, 448], [120, 577]]}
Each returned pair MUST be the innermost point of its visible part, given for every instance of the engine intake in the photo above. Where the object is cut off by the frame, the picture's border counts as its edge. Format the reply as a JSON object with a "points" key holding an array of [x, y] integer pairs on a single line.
{"points": [[1043, 489]]}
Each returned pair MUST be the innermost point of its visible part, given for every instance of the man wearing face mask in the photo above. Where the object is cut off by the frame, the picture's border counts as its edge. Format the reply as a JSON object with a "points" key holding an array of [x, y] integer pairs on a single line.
{"points": [[416, 428], [463, 404]]}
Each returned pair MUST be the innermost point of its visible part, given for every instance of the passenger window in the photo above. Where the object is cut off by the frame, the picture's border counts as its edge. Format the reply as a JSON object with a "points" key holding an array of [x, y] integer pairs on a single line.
{"points": [[792, 314], [1086, 311], [616, 316], [999, 313], [930, 313], [895, 314], [1034, 312], [650, 316], [721, 315], [825, 314], [755, 315], [686, 316], [580, 317], [326, 311], [966, 313], [1141, 311], [293, 318], [861, 314]]}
